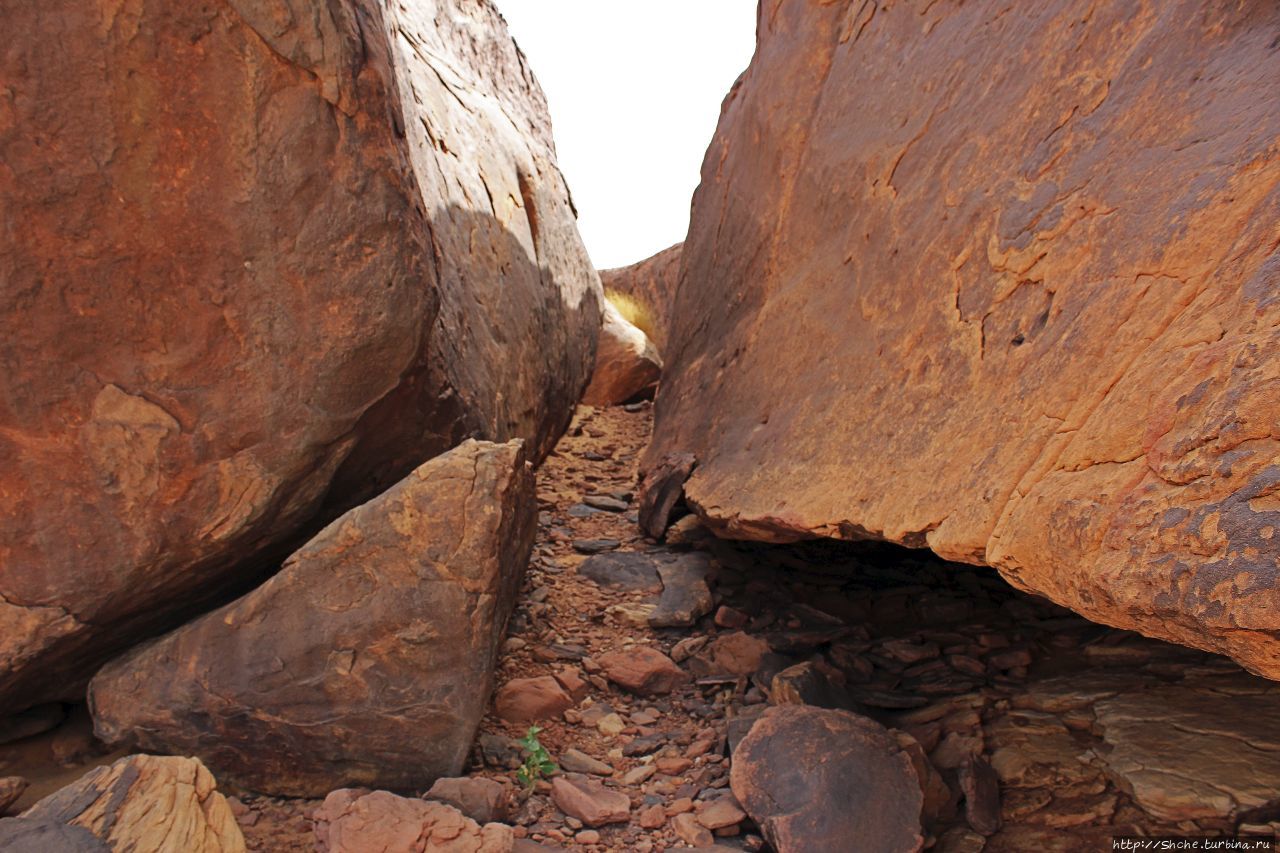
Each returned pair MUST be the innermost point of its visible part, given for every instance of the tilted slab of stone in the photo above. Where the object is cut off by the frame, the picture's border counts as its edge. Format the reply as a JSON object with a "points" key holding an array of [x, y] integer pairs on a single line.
{"points": [[260, 259], [1002, 285], [366, 662], [142, 802]]}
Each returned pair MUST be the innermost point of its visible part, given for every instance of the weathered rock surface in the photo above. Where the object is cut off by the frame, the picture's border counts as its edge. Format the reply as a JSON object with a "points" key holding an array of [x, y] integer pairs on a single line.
{"points": [[642, 670], [589, 801], [1044, 343], [686, 596], [525, 700], [11, 789], [355, 821], [143, 802], [625, 570], [627, 363], [645, 290], [482, 800], [814, 779], [280, 254], [366, 661], [1187, 753]]}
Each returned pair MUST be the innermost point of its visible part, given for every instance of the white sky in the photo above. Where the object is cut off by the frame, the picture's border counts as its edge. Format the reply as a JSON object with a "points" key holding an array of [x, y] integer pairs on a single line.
{"points": [[635, 91]]}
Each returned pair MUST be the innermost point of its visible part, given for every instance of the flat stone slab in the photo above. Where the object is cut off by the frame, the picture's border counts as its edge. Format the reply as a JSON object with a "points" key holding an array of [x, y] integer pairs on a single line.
{"points": [[1207, 752], [626, 570]]}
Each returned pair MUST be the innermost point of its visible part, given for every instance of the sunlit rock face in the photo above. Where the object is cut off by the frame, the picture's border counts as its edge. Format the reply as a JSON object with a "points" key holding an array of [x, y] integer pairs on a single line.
{"points": [[645, 290], [627, 363], [260, 259], [1002, 285]]}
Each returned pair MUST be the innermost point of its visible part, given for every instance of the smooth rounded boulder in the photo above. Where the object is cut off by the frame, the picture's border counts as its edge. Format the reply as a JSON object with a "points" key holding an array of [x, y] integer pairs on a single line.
{"points": [[1001, 285], [261, 258], [825, 781], [366, 662]]}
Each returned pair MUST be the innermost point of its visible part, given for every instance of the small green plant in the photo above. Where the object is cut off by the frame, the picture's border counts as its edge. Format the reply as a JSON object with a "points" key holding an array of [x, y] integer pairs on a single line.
{"points": [[537, 762]]}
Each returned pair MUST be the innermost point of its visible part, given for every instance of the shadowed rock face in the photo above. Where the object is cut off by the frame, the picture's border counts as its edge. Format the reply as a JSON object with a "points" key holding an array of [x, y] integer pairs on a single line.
{"points": [[366, 661], [815, 779], [1002, 285], [650, 285], [261, 258]]}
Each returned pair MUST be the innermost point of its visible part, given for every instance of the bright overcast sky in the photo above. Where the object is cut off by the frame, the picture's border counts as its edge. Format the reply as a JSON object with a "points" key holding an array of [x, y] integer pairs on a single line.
{"points": [[635, 91]]}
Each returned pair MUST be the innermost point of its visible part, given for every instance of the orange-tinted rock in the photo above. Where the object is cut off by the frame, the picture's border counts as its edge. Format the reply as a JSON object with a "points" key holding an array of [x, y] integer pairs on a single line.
{"points": [[1003, 286], [260, 259], [642, 670], [355, 821], [142, 802], [813, 779], [589, 801], [735, 653], [645, 290], [627, 364], [526, 700], [366, 661], [691, 832]]}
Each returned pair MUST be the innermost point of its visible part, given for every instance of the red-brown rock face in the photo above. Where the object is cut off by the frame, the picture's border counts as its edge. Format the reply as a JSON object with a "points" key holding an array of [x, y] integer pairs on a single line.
{"points": [[1005, 285], [259, 259], [366, 661]]}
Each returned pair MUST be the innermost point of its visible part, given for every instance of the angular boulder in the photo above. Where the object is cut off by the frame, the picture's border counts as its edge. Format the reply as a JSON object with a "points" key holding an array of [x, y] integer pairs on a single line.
{"points": [[645, 290], [627, 364], [367, 661], [142, 802], [642, 670], [814, 779], [1002, 285], [589, 801], [261, 259], [355, 821]]}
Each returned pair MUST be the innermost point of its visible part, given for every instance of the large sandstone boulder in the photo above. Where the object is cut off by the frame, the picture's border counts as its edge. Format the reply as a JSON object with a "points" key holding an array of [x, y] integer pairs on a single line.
{"points": [[260, 259], [143, 802], [814, 779], [1002, 285], [366, 662], [645, 290]]}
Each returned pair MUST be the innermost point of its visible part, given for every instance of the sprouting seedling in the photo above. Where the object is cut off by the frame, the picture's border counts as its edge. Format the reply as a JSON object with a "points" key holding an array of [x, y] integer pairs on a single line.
{"points": [[537, 762]]}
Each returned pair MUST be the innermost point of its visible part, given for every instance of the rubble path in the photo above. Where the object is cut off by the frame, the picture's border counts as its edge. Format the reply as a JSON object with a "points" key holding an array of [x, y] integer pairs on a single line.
{"points": [[1091, 732], [949, 653]]}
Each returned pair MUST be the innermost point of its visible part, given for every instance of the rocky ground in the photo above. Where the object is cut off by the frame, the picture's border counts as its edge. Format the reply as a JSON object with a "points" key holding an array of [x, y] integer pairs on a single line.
{"points": [[644, 665]]}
